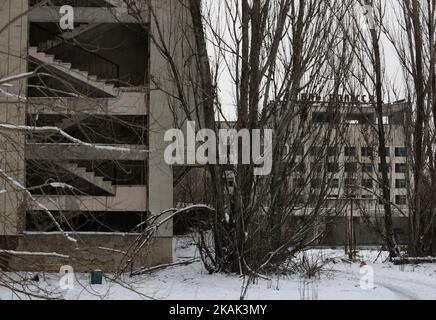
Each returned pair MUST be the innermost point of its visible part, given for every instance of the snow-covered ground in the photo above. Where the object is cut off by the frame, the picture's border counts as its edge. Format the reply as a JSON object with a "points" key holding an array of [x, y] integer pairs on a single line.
{"points": [[341, 280]]}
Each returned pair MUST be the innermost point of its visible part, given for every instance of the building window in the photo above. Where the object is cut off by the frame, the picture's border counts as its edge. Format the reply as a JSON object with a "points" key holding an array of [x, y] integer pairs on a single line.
{"points": [[388, 167], [301, 199], [299, 183], [367, 168], [300, 168], [350, 167], [401, 152], [333, 151], [324, 117], [400, 184], [367, 152], [316, 167], [350, 152], [315, 183], [400, 167], [316, 151], [367, 183], [350, 183], [332, 167], [297, 151], [401, 200]]}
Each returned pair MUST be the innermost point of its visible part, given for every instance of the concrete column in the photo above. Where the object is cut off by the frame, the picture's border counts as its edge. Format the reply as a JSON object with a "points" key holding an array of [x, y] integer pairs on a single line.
{"points": [[171, 18], [13, 61]]}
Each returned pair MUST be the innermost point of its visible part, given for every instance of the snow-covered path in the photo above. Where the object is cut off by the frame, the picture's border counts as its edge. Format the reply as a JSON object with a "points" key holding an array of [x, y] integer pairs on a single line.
{"points": [[409, 285], [340, 281]]}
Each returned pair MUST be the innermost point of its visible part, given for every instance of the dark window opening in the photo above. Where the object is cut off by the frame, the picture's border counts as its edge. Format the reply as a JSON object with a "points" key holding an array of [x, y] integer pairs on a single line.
{"points": [[367, 168], [350, 152], [325, 117], [367, 152], [400, 167], [351, 167], [401, 200], [127, 222], [332, 167], [400, 184], [401, 152], [367, 183]]}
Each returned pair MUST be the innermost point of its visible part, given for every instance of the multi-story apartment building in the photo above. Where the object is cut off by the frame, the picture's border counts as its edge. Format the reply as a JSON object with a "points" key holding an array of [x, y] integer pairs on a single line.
{"points": [[340, 154], [105, 172]]}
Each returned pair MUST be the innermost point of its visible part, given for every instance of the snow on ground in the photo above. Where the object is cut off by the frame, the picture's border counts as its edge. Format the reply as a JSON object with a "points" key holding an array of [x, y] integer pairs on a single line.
{"points": [[341, 280]]}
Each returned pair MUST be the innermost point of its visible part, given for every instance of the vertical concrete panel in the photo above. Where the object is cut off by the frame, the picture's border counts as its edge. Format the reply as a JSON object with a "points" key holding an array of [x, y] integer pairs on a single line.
{"points": [[13, 55], [161, 118], [173, 20]]}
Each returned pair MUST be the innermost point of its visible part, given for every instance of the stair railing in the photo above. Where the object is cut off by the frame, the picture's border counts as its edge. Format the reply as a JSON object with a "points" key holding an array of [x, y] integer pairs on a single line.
{"points": [[84, 60]]}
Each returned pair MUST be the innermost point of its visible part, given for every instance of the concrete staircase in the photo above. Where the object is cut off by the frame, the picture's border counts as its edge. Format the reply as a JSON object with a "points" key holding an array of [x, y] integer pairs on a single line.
{"points": [[69, 122], [67, 36], [80, 75], [88, 176]]}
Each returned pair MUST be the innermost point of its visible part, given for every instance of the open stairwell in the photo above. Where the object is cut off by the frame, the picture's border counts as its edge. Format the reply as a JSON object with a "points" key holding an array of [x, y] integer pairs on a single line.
{"points": [[89, 176], [179, 173], [66, 67], [68, 36], [71, 121]]}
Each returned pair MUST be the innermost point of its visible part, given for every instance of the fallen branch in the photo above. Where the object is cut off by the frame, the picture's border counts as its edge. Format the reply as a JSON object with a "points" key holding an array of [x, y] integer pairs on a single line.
{"points": [[35, 254], [142, 271]]}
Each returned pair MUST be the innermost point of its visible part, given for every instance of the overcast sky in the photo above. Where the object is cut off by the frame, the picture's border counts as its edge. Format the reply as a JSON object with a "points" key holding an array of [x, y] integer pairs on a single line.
{"points": [[226, 88]]}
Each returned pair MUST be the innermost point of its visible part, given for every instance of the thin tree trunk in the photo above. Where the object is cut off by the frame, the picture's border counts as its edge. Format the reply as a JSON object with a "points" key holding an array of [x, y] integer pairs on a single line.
{"points": [[389, 232], [419, 127]]}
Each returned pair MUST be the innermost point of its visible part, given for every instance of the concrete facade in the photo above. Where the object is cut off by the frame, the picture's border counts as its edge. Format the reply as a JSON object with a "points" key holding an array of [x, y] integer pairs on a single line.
{"points": [[353, 150], [349, 169], [91, 89], [13, 52]]}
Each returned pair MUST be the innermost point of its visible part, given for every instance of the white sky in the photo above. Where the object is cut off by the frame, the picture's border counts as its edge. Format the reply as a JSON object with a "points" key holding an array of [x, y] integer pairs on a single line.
{"points": [[226, 86]]}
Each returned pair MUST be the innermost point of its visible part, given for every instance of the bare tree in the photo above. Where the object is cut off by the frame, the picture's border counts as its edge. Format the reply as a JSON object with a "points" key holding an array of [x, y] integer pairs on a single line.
{"points": [[413, 38], [273, 53]]}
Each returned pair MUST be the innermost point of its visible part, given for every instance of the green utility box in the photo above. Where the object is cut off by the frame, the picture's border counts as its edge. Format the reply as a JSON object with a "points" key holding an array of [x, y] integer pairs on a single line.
{"points": [[97, 277]]}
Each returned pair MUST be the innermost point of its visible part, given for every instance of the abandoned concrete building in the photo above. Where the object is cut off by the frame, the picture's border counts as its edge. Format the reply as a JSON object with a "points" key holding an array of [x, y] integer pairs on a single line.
{"points": [[82, 140], [347, 168], [93, 83]]}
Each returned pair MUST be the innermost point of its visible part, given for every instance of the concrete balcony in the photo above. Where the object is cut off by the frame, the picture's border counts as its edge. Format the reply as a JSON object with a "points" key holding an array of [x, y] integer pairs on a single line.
{"points": [[128, 103], [87, 15], [71, 152], [127, 198]]}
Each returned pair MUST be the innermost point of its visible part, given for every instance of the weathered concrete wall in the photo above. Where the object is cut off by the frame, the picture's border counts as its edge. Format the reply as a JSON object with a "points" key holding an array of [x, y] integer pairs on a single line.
{"points": [[13, 53], [91, 252], [173, 18], [364, 233], [169, 25]]}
